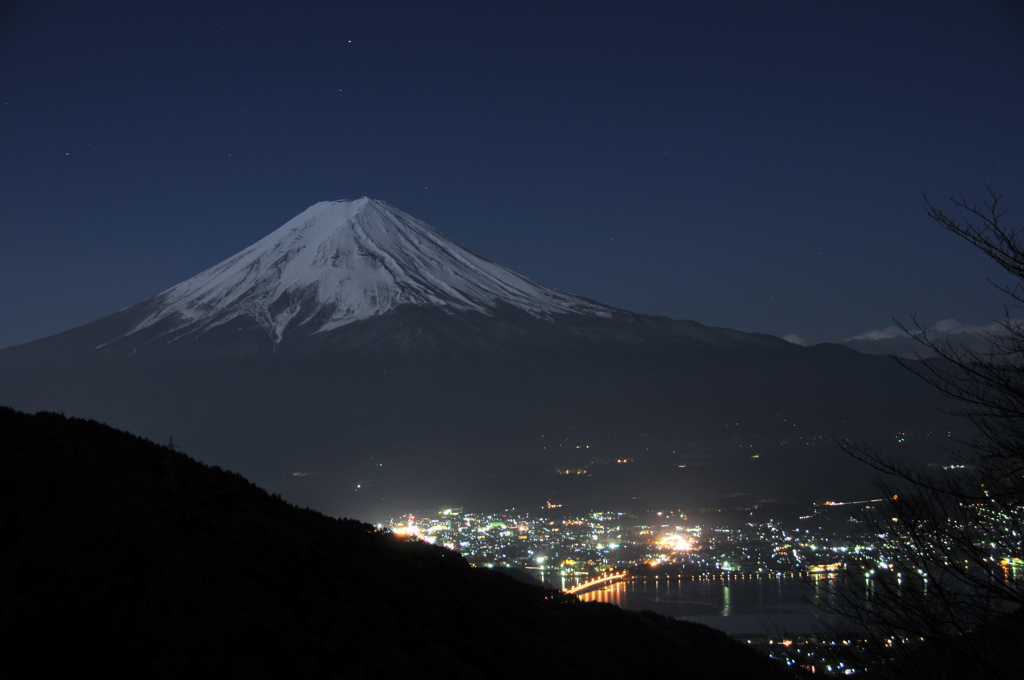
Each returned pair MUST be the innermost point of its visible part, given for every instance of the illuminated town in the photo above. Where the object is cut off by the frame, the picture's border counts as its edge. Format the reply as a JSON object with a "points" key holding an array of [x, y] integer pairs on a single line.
{"points": [[562, 549], [585, 553]]}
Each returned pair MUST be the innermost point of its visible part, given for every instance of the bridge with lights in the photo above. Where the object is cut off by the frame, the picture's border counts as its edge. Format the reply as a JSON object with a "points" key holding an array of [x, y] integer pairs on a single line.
{"points": [[598, 582]]}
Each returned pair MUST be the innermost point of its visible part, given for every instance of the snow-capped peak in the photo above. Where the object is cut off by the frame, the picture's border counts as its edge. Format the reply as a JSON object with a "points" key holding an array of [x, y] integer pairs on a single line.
{"points": [[342, 261]]}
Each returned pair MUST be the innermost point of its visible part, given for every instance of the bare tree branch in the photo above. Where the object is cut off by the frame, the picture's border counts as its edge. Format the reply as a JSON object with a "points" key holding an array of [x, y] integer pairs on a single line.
{"points": [[942, 594]]}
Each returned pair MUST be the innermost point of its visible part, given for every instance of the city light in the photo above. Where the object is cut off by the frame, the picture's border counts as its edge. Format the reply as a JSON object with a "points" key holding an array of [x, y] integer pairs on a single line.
{"points": [[677, 543]]}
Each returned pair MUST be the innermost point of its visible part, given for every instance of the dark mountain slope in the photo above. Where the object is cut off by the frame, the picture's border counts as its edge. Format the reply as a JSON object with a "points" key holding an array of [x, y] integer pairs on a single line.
{"points": [[403, 373], [382, 430], [122, 556]]}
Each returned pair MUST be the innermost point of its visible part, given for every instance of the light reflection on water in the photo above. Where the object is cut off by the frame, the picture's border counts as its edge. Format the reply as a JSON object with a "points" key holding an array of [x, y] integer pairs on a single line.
{"points": [[741, 605]]}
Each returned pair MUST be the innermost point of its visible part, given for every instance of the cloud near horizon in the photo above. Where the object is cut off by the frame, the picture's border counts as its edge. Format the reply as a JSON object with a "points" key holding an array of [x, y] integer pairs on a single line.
{"points": [[950, 333], [943, 328]]}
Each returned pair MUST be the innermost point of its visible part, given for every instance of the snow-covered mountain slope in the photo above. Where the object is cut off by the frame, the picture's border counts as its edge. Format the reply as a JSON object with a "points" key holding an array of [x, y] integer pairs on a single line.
{"points": [[343, 261]]}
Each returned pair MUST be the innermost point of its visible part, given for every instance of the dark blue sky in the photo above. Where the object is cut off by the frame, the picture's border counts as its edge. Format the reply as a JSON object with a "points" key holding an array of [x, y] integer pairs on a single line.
{"points": [[755, 165]]}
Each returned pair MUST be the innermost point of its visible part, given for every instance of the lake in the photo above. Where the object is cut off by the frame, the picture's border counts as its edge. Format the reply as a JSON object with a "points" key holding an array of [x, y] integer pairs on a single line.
{"points": [[735, 605]]}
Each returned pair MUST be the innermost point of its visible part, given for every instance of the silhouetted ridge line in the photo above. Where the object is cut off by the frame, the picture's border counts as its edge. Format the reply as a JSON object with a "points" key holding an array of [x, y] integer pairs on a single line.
{"points": [[101, 562]]}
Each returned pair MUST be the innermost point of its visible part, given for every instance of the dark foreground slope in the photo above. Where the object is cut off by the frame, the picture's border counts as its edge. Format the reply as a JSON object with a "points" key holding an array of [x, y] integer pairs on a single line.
{"points": [[125, 557]]}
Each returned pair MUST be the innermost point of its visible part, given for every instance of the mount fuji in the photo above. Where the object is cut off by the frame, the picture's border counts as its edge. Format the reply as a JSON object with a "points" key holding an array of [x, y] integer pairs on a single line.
{"points": [[344, 261], [341, 266], [361, 362]]}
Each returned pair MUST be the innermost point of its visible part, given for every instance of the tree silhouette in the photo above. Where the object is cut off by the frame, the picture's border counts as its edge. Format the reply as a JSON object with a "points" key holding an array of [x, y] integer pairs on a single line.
{"points": [[941, 594]]}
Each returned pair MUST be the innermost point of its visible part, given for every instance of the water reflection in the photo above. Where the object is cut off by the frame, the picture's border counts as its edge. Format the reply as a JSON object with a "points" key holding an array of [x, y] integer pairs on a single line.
{"points": [[736, 605]]}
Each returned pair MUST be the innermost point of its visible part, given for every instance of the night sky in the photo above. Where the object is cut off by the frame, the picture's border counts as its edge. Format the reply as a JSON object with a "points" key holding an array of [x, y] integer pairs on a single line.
{"points": [[753, 165]]}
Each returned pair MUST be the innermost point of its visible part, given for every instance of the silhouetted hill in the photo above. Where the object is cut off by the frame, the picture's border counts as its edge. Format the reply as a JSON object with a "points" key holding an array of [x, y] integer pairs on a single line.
{"points": [[118, 555]]}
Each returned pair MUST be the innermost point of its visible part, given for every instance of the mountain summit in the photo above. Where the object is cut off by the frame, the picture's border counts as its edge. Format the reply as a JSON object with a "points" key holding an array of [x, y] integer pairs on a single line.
{"points": [[339, 262]]}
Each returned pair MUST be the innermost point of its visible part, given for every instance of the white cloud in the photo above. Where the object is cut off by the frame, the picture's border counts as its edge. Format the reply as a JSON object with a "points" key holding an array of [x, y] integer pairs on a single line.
{"points": [[887, 333], [937, 331], [949, 332], [795, 339]]}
